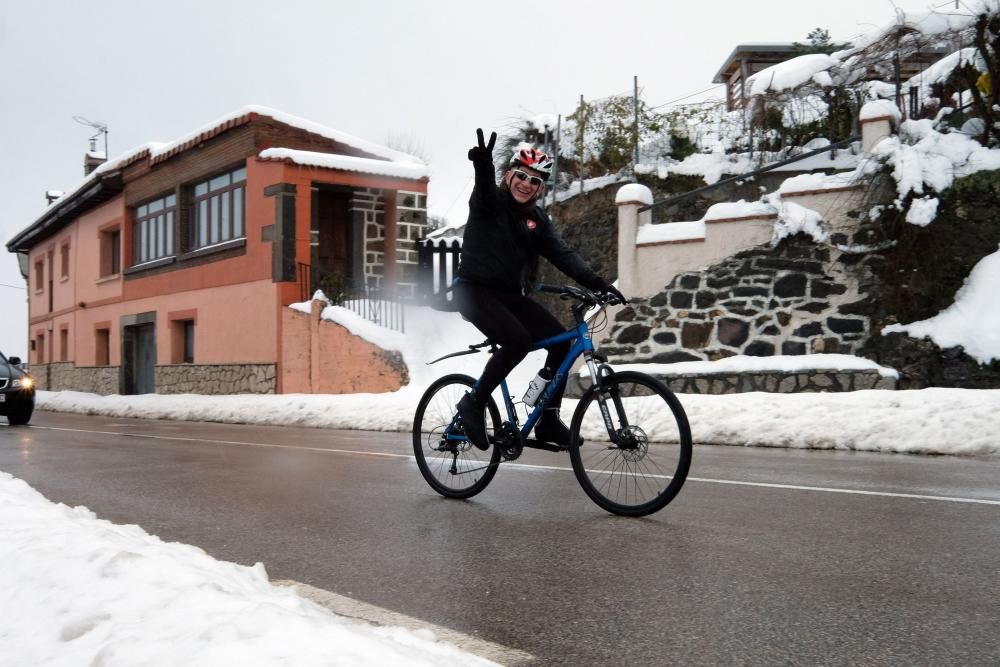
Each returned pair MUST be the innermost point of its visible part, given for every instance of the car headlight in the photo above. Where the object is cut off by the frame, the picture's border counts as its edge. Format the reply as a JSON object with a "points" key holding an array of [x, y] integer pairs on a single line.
{"points": [[23, 383]]}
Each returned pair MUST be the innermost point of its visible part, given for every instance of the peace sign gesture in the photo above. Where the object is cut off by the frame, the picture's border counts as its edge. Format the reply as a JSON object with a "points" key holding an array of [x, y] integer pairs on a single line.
{"points": [[483, 152]]}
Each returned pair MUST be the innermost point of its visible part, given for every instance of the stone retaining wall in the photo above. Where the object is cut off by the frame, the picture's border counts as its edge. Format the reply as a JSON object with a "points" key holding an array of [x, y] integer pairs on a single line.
{"points": [[772, 382], [216, 379], [797, 298], [63, 375]]}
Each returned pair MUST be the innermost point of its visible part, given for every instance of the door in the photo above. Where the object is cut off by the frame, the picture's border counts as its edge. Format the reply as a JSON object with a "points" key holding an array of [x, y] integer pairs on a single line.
{"points": [[332, 263], [139, 354]]}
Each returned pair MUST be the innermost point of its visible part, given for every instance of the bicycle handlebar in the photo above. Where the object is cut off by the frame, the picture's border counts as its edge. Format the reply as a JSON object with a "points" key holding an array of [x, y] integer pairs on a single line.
{"points": [[580, 294]]}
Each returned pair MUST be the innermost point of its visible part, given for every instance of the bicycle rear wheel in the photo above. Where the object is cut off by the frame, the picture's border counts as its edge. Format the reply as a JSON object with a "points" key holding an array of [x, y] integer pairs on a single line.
{"points": [[641, 465], [449, 462]]}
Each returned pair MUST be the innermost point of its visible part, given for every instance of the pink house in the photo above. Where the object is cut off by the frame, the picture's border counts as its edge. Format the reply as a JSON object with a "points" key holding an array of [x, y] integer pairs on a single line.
{"points": [[170, 268]]}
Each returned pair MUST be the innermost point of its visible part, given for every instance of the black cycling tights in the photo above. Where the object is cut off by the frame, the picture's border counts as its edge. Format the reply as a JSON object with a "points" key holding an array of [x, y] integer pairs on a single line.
{"points": [[513, 322]]}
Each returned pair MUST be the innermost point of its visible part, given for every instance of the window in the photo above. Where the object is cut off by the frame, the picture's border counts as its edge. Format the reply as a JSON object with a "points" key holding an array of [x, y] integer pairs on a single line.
{"points": [[102, 344], [188, 341], [111, 252], [41, 348], [64, 345], [64, 261], [153, 235], [182, 340], [116, 252], [217, 209], [39, 276]]}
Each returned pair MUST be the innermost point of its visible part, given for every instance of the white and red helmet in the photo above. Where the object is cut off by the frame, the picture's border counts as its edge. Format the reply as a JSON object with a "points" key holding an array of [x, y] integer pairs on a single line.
{"points": [[533, 159]]}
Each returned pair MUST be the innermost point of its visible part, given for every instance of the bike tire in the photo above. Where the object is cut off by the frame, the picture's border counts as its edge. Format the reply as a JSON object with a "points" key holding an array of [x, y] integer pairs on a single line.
{"points": [[455, 469], [645, 474]]}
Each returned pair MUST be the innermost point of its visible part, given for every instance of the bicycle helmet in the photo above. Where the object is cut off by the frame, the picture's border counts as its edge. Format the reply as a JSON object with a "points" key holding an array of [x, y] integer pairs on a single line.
{"points": [[533, 159]]}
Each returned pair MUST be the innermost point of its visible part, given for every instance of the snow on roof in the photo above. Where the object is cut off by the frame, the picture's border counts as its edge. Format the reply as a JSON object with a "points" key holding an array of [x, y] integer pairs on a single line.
{"points": [[348, 163], [159, 151], [792, 73], [243, 114]]}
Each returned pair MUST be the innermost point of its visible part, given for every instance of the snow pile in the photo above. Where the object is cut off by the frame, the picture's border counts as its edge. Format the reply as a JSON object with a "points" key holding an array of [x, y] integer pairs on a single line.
{"points": [[880, 109], [84, 591], [921, 156], [973, 321], [712, 166]]}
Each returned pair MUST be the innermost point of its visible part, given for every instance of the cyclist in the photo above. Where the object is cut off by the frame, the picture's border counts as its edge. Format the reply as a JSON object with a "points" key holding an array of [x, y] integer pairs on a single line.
{"points": [[505, 234]]}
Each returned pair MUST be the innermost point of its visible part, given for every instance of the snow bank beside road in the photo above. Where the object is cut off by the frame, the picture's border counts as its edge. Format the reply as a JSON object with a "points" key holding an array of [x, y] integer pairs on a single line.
{"points": [[929, 421], [83, 591]]}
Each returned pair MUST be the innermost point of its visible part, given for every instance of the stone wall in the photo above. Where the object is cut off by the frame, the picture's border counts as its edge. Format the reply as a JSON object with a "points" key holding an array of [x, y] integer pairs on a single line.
{"points": [[63, 375], [796, 298], [411, 215], [774, 382], [368, 207], [216, 379]]}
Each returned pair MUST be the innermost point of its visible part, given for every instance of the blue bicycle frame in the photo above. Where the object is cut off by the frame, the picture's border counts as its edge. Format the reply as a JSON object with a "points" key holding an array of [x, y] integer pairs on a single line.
{"points": [[582, 344]]}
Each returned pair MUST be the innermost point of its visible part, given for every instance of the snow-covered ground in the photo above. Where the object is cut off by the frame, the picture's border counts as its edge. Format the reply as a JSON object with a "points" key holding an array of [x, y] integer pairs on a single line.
{"points": [[78, 590]]}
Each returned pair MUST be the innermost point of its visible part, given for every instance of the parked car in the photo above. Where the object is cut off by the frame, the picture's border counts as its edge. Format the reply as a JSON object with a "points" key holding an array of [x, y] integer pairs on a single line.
{"points": [[17, 391]]}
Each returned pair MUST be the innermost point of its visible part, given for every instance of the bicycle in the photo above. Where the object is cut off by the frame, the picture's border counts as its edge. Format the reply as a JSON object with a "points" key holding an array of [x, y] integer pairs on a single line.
{"points": [[630, 441]]}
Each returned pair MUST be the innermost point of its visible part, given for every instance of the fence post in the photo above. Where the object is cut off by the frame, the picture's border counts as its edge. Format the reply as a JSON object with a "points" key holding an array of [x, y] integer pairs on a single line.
{"points": [[630, 199]]}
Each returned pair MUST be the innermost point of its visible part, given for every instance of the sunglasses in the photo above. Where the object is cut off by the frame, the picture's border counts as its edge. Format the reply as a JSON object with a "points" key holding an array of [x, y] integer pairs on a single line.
{"points": [[521, 176]]}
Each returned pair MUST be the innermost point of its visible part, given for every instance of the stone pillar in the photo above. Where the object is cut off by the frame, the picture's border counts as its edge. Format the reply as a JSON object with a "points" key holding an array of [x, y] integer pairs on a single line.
{"points": [[630, 199]]}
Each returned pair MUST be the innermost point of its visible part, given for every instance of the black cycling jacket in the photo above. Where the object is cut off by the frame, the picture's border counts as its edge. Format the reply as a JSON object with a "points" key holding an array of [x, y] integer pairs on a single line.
{"points": [[503, 240]]}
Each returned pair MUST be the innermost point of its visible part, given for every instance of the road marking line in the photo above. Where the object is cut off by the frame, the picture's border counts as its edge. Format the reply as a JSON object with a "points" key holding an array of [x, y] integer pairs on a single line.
{"points": [[529, 466], [354, 609]]}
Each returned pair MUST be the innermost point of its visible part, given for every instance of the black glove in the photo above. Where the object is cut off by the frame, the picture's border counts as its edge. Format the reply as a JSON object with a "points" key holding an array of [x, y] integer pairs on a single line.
{"points": [[483, 152], [610, 290]]}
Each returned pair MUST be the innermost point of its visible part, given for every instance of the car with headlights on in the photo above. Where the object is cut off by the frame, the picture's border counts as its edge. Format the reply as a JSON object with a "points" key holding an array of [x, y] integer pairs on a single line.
{"points": [[17, 391]]}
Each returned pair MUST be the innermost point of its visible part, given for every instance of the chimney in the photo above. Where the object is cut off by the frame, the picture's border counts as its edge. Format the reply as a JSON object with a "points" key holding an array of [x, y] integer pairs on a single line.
{"points": [[93, 158]]}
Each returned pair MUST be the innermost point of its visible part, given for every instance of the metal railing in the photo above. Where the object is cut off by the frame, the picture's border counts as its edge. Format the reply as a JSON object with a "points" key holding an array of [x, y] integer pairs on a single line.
{"points": [[381, 307]]}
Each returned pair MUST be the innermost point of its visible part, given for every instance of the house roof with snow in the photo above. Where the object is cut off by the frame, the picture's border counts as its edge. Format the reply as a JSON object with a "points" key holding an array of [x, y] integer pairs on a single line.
{"points": [[768, 52], [349, 153]]}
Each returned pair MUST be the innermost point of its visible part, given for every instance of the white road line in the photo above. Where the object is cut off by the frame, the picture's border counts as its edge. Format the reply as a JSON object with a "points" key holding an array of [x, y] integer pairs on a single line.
{"points": [[351, 608], [528, 466]]}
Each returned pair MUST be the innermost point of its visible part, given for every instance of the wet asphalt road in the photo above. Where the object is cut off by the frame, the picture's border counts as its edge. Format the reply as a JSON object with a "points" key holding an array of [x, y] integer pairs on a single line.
{"points": [[740, 569]]}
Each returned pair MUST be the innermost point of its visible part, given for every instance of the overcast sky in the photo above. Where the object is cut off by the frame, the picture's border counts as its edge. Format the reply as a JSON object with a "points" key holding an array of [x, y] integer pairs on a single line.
{"points": [[428, 72]]}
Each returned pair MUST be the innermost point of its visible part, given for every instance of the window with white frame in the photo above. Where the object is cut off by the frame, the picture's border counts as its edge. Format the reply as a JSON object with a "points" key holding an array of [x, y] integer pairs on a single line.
{"points": [[217, 209], [153, 233]]}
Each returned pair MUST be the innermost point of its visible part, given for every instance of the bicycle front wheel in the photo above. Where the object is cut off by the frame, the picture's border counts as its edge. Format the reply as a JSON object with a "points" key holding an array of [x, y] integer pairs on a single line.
{"points": [[449, 462], [639, 464]]}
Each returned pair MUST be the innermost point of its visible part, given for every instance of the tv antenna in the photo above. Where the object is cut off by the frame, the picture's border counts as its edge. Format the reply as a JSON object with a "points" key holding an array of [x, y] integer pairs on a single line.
{"points": [[101, 128]]}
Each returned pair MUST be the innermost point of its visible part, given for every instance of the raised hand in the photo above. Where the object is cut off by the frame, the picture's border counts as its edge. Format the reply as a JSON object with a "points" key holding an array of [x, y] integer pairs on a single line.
{"points": [[483, 152]]}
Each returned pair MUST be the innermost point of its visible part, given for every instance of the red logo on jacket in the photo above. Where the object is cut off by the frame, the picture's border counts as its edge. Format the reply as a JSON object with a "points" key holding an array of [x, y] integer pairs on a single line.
{"points": [[532, 224]]}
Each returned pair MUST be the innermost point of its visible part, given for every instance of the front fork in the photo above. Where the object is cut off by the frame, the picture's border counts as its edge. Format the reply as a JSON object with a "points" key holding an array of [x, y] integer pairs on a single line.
{"points": [[599, 375]]}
